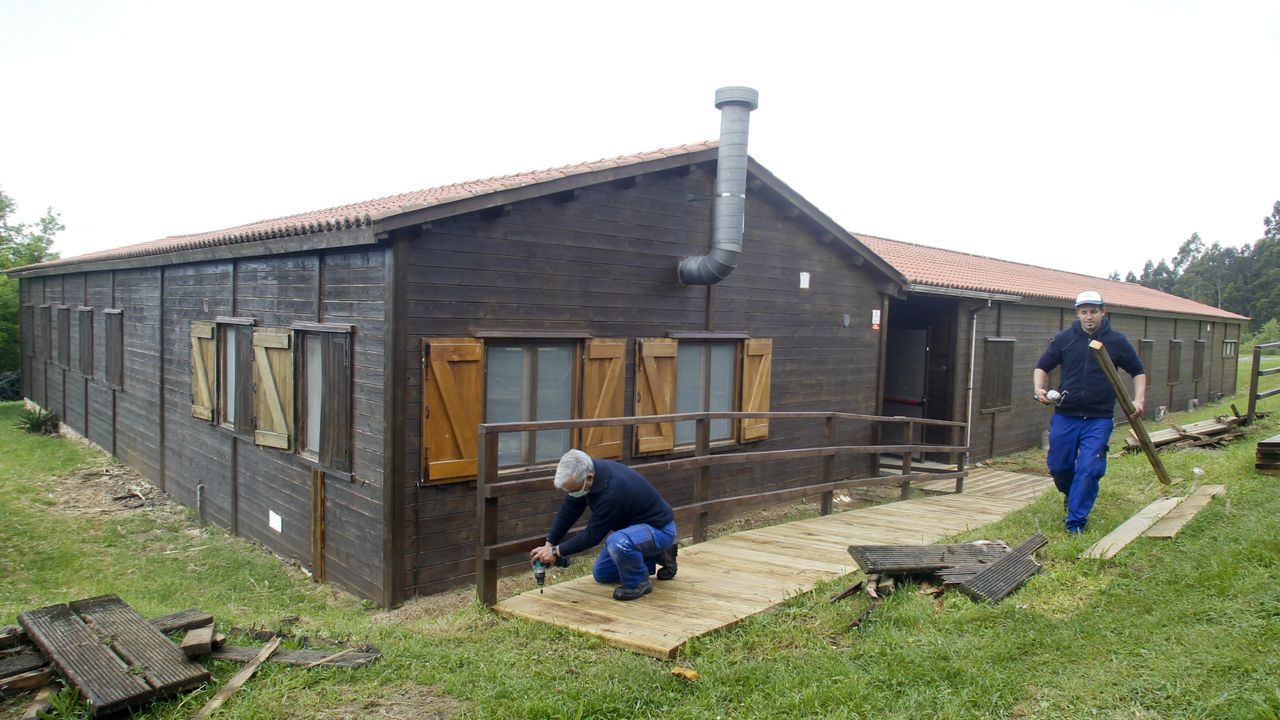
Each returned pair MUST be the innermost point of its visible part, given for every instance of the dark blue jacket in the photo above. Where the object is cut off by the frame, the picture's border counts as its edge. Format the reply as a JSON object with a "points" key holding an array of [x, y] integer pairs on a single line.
{"points": [[620, 497], [1088, 392]]}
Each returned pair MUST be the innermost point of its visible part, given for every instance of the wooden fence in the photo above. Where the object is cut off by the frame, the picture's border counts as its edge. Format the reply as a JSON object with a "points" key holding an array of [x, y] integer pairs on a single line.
{"points": [[1254, 374], [490, 490]]}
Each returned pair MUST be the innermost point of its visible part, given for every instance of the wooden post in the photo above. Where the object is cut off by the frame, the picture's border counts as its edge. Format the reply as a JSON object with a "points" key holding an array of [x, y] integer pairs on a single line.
{"points": [[828, 465], [1253, 384], [957, 436], [909, 434], [1135, 423], [486, 518], [702, 482]]}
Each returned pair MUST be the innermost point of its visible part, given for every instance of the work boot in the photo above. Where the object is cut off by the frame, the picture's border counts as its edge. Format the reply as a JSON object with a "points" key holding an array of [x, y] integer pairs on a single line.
{"points": [[667, 559], [626, 593]]}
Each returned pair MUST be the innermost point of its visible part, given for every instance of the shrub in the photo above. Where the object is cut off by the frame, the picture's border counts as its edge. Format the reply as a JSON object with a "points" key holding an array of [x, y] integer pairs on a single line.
{"points": [[37, 420]]}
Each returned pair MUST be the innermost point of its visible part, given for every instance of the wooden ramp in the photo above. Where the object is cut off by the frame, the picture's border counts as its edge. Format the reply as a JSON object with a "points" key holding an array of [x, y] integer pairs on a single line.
{"points": [[725, 580]]}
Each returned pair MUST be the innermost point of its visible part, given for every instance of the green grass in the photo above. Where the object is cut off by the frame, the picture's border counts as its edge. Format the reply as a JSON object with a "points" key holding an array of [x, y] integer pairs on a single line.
{"points": [[1186, 628]]}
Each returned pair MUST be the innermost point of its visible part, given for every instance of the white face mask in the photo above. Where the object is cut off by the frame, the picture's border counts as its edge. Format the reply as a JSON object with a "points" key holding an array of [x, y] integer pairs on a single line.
{"points": [[586, 488]]}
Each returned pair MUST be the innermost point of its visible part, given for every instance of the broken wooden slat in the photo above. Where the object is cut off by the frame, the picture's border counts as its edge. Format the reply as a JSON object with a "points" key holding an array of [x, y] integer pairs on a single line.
{"points": [[26, 681], [240, 678], [1007, 574], [182, 620], [1173, 522], [909, 559], [40, 703], [1110, 545], [12, 636], [21, 662], [300, 658], [197, 642], [141, 644]]}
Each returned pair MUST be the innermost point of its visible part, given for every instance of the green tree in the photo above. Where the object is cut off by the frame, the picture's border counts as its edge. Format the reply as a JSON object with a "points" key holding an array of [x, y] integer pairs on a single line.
{"points": [[20, 244]]}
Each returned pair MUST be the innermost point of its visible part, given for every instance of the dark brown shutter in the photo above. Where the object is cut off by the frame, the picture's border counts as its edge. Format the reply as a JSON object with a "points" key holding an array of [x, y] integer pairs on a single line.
{"points": [[655, 392], [452, 406], [757, 368], [272, 387], [115, 347], [603, 373], [202, 358], [335, 443]]}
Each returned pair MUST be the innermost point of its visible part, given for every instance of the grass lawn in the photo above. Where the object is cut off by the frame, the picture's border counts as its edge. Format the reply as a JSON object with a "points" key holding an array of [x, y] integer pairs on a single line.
{"points": [[1185, 628]]}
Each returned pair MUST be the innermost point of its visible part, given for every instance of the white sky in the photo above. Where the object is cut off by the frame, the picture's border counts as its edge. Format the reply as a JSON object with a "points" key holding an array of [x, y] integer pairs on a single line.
{"points": [[1085, 136]]}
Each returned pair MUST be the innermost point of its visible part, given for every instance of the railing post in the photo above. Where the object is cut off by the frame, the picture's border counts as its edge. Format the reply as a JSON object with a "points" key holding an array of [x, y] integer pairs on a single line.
{"points": [[828, 465], [910, 435], [957, 438], [1253, 384], [486, 518], [702, 481]]}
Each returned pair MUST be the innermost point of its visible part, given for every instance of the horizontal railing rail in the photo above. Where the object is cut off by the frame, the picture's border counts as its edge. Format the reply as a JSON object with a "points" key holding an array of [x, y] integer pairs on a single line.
{"points": [[490, 488]]}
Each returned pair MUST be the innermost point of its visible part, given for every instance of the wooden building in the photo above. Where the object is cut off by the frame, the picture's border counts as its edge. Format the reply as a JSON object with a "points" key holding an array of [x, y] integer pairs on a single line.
{"points": [[271, 376], [963, 342]]}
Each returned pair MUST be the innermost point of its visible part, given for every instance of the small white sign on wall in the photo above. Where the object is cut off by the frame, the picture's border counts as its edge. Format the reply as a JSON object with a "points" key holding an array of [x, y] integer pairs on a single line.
{"points": [[875, 319], [274, 521]]}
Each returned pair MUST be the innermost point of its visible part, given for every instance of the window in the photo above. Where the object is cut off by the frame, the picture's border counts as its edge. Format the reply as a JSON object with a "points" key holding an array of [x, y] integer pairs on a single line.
{"points": [[705, 382], [527, 383], [115, 347], [1230, 348], [324, 431], [997, 374], [1175, 361], [234, 374], [84, 332], [1197, 361], [1145, 348], [46, 332], [64, 336]]}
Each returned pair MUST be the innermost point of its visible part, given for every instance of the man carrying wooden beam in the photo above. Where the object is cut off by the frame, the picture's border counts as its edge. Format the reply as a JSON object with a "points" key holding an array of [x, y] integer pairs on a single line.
{"points": [[623, 503], [1083, 417]]}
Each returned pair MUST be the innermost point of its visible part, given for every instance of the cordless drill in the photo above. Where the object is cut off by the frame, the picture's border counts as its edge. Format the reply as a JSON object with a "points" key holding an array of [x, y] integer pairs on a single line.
{"points": [[540, 570]]}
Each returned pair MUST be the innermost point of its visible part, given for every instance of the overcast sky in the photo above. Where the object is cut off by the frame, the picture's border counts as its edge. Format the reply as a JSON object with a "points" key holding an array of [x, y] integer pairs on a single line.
{"points": [[1085, 136]]}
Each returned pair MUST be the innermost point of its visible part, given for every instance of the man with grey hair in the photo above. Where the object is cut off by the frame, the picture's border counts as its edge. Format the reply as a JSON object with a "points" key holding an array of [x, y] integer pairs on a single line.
{"points": [[640, 525]]}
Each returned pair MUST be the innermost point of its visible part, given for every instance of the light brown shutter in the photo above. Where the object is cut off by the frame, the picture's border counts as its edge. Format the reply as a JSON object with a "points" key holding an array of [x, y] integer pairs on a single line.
{"points": [[757, 366], [273, 387], [452, 406], [202, 358], [655, 392], [602, 380]]}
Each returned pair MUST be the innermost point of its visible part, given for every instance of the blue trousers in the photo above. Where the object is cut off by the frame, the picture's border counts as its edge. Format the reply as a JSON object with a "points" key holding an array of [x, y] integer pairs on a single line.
{"points": [[629, 555], [1077, 461]]}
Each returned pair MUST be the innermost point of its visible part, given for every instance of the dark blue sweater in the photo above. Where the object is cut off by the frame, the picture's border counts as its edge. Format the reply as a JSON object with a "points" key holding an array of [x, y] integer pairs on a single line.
{"points": [[620, 497], [1088, 392]]}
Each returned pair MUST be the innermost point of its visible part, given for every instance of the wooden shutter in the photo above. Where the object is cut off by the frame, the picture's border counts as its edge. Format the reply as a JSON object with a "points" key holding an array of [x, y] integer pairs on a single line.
{"points": [[757, 371], [335, 441], [603, 374], [273, 387], [452, 406], [202, 358], [655, 392]]}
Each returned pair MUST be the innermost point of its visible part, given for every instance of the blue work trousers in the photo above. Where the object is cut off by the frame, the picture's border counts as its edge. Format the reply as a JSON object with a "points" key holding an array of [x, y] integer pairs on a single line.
{"points": [[1077, 461], [630, 554]]}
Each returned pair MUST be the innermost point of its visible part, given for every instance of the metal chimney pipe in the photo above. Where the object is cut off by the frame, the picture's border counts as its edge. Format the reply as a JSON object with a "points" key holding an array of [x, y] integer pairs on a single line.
{"points": [[735, 105]]}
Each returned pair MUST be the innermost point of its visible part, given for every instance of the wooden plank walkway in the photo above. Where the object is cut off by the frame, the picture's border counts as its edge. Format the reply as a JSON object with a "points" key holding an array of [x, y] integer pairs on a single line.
{"points": [[727, 579]]}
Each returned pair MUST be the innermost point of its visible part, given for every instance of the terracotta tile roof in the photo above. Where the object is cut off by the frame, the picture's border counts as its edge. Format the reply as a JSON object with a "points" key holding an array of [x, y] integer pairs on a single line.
{"points": [[367, 213], [923, 265]]}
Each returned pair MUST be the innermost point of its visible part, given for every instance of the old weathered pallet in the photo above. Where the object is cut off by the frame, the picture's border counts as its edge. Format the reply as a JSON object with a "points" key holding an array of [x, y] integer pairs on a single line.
{"points": [[110, 653], [909, 559], [1173, 521], [999, 579], [301, 658]]}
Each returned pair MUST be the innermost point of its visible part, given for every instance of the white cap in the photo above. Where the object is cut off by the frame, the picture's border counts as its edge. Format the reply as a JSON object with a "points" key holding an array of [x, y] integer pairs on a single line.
{"points": [[1089, 297]]}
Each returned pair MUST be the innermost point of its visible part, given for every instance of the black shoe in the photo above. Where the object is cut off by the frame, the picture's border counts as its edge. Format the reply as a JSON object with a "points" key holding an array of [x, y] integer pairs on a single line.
{"points": [[667, 561], [626, 593]]}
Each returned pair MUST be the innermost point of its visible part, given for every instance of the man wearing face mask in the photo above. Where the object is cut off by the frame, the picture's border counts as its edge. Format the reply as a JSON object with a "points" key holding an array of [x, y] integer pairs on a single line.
{"points": [[623, 503]]}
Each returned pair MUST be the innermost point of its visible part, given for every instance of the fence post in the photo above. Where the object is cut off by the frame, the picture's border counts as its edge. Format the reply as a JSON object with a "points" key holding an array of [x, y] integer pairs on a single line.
{"points": [[487, 518], [957, 437], [1253, 384], [828, 465], [910, 435], [701, 482]]}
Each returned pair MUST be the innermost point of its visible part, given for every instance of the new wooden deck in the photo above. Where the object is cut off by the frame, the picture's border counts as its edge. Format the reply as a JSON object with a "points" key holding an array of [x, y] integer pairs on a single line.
{"points": [[724, 580]]}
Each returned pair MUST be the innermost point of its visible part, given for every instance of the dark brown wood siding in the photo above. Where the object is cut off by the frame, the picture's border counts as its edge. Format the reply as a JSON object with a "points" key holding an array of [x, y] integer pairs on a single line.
{"points": [[101, 397], [138, 402], [604, 263]]}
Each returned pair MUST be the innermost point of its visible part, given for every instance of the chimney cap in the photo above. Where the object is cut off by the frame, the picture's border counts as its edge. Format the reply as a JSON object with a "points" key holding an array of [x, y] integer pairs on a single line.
{"points": [[737, 95]]}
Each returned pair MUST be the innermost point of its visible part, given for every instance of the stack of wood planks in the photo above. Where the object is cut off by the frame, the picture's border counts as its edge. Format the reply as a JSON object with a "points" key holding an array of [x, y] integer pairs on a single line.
{"points": [[1267, 458], [117, 660], [1215, 432], [1164, 518]]}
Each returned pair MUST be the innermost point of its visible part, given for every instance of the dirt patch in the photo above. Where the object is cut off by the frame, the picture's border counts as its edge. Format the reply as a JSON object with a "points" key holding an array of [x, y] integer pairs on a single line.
{"points": [[107, 489], [401, 702]]}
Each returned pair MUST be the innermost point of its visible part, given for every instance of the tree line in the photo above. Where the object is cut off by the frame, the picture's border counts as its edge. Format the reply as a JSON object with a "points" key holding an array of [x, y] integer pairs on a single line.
{"points": [[20, 244], [1243, 280]]}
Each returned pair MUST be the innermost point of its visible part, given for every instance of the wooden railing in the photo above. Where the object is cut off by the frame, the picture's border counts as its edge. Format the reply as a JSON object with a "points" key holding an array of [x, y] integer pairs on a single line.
{"points": [[489, 489], [1256, 372]]}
